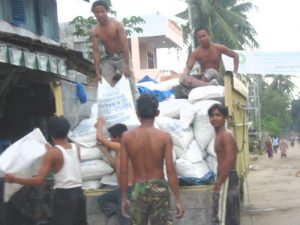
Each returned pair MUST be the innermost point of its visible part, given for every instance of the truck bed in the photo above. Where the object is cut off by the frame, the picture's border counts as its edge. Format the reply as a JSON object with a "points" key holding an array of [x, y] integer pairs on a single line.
{"points": [[196, 199]]}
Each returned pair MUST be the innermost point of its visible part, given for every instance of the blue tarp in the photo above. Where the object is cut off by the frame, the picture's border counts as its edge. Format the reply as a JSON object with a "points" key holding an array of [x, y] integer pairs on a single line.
{"points": [[160, 95], [147, 78], [208, 178]]}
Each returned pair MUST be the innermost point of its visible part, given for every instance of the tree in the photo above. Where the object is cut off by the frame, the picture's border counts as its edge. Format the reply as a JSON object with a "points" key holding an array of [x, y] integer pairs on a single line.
{"points": [[275, 117], [83, 27], [283, 84], [271, 125], [226, 20], [295, 113]]}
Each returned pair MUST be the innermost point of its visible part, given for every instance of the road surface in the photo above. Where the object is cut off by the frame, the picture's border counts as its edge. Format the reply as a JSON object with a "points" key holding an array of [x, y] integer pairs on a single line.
{"points": [[273, 190]]}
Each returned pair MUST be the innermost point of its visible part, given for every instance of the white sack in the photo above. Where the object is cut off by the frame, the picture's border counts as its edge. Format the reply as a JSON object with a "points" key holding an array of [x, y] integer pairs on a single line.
{"points": [[171, 107], [91, 153], [110, 179], [95, 169], [187, 169], [85, 141], [204, 132], [23, 159], [178, 151], [180, 136], [115, 104], [212, 163], [187, 115], [91, 184], [193, 154], [85, 128], [211, 148], [206, 92]]}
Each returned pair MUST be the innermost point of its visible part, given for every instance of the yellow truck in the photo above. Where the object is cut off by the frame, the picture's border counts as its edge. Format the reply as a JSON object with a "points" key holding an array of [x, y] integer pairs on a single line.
{"points": [[197, 199]]}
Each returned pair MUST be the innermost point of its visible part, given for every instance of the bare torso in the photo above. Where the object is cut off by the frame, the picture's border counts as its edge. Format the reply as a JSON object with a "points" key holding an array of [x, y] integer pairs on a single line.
{"points": [[220, 148], [130, 169], [146, 150], [110, 35], [209, 57]]}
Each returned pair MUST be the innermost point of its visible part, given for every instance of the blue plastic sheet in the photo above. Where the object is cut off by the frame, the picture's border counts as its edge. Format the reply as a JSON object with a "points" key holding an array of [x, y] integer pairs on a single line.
{"points": [[147, 78], [208, 178], [160, 95]]}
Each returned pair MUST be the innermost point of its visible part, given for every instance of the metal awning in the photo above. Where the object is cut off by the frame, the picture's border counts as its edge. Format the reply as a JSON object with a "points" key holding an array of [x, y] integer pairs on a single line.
{"points": [[36, 55]]}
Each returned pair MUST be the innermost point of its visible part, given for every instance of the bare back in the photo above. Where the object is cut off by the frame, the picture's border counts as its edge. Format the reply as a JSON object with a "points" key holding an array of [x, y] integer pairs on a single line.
{"points": [[110, 35], [146, 149]]}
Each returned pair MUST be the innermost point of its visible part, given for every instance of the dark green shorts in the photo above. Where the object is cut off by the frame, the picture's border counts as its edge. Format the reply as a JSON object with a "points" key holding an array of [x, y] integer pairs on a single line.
{"points": [[151, 200]]}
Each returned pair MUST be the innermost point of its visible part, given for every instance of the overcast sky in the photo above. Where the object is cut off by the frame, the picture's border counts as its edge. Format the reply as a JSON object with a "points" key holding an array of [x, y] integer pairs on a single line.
{"points": [[276, 22]]}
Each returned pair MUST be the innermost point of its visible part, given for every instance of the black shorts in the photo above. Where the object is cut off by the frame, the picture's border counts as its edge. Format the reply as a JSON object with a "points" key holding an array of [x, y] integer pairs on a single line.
{"points": [[69, 207]]}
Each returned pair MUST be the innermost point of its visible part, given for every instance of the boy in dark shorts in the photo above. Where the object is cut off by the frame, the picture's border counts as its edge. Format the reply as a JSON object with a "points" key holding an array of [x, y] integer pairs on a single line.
{"points": [[64, 160]]}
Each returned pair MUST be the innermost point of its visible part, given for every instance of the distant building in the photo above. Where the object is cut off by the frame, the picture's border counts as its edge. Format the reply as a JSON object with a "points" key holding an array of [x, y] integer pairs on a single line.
{"points": [[36, 72], [155, 52]]}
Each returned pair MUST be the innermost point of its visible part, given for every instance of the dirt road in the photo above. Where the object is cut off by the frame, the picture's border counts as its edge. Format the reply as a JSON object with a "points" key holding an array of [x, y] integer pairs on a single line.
{"points": [[274, 190]]}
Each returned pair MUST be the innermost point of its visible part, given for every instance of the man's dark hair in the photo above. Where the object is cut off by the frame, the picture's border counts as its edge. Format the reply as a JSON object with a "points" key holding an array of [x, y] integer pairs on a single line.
{"points": [[58, 127], [117, 130], [147, 106], [200, 28], [100, 2], [221, 108]]}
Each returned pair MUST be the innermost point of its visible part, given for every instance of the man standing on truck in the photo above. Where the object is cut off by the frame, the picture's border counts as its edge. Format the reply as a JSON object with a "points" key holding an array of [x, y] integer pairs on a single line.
{"points": [[110, 202], [209, 55], [113, 36], [64, 161], [147, 148], [226, 150]]}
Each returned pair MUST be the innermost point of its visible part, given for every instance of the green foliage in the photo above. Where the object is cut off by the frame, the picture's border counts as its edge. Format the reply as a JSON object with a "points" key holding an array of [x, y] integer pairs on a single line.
{"points": [[226, 20], [132, 23], [271, 125], [295, 113], [83, 28], [283, 84], [275, 103]]}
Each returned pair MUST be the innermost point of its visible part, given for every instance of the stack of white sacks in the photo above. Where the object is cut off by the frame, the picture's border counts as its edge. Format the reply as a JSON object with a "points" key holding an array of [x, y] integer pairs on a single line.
{"points": [[116, 106], [193, 136], [185, 119], [94, 165]]}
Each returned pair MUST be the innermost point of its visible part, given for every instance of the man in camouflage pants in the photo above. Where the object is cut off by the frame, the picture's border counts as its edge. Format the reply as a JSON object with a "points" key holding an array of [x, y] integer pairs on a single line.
{"points": [[147, 148]]}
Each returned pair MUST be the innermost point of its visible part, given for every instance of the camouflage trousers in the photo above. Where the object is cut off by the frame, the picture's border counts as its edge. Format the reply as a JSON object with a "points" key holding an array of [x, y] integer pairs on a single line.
{"points": [[151, 200]]}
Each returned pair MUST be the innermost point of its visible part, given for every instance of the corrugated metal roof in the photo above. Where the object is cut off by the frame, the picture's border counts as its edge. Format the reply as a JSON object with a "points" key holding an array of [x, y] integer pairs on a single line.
{"points": [[74, 59]]}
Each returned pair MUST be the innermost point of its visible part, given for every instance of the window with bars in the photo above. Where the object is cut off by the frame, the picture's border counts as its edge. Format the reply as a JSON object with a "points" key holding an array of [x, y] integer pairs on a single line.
{"points": [[150, 60]]}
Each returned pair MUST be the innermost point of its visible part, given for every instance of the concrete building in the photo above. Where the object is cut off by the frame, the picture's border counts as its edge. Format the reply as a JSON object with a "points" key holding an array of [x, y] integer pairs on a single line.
{"points": [[155, 52], [36, 78]]}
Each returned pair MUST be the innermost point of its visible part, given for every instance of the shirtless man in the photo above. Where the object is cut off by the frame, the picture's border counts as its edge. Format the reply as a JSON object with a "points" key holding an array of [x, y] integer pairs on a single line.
{"points": [[148, 148], [110, 202], [113, 36], [226, 150], [208, 55], [64, 161]]}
